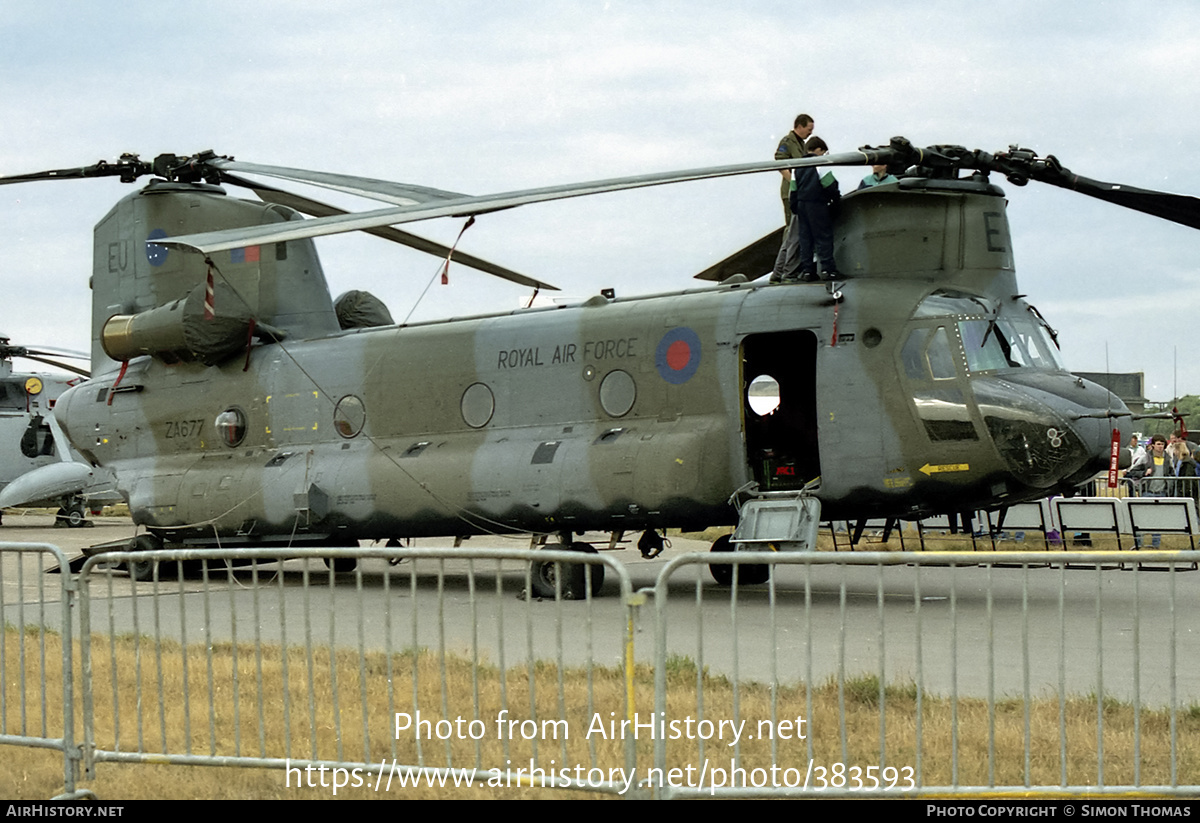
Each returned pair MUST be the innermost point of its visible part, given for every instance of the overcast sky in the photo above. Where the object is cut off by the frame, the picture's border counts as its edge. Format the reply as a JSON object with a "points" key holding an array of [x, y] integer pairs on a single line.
{"points": [[481, 97]]}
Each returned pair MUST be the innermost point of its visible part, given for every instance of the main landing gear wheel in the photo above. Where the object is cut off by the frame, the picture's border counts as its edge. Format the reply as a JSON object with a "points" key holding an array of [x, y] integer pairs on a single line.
{"points": [[73, 515], [340, 565], [747, 573], [573, 585], [143, 570]]}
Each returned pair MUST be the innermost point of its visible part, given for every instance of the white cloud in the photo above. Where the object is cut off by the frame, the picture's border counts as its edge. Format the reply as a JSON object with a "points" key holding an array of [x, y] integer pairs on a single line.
{"points": [[478, 97]]}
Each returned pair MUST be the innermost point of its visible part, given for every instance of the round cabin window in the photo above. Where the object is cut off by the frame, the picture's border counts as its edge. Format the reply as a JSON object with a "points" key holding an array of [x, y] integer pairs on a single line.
{"points": [[349, 416], [763, 395], [617, 393], [231, 427], [478, 405]]}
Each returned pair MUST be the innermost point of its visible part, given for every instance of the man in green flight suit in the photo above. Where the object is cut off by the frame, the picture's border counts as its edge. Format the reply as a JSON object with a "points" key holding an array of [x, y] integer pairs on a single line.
{"points": [[792, 145]]}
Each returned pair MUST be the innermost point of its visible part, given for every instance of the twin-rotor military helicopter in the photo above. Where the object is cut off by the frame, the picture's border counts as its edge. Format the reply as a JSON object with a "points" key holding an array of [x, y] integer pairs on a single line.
{"points": [[237, 404]]}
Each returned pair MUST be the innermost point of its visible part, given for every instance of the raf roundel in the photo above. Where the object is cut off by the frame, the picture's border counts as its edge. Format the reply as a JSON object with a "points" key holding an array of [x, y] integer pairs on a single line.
{"points": [[678, 355], [156, 254]]}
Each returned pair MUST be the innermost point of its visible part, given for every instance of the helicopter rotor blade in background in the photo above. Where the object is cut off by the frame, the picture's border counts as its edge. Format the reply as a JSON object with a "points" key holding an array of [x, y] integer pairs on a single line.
{"points": [[319, 209], [49, 356], [56, 364], [50, 351], [8, 350]]}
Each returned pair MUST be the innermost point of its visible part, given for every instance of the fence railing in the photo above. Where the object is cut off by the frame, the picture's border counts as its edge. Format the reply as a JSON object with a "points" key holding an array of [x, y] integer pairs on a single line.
{"points": [[32, 659], [845, 674]]}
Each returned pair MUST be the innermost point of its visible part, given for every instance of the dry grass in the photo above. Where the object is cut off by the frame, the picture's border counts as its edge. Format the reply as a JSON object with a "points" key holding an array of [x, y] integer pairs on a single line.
{"points": [[37, 774]]}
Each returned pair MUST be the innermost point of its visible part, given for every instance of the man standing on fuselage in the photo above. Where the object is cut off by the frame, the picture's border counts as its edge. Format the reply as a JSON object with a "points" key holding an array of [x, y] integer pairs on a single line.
{"points": [[812, 225], [792, 145]]}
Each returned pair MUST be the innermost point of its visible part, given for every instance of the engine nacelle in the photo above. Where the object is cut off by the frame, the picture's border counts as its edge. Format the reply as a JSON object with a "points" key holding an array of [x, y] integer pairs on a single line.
{"points": [[182, 330]]}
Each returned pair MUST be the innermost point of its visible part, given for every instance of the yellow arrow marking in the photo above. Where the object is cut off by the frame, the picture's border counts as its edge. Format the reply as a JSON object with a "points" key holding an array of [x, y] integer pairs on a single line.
{"points": [[945, 467]]}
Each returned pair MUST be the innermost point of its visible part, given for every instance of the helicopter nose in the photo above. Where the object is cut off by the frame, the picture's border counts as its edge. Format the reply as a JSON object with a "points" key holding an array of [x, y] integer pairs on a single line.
{"points": [[1051, 429], [1095, 428]]}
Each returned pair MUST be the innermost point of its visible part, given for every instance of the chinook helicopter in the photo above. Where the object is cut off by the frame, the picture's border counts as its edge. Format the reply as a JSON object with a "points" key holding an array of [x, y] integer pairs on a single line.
{"points": [[237, 404], [37, 465]]}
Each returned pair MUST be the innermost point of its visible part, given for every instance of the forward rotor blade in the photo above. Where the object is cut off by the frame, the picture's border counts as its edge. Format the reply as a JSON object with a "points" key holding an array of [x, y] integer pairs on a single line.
{"points": [[401, 194], [1178, 208], [319, 209], [209, 242], [1021, 165]]}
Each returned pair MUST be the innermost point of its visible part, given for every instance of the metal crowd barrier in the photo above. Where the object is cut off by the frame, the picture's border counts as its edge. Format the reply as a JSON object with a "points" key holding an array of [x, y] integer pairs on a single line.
{"points": [[872, 674], [917, 674], [36, 649], [366, 676], [1145, 487]]}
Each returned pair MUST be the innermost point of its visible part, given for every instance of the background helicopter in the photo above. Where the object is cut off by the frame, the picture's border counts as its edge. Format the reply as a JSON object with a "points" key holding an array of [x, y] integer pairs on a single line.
{"points": [[29, 442], [236, 405]]}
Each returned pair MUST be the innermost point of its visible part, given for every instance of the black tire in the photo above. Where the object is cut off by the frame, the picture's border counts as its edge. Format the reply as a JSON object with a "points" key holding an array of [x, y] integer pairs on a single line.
{"points": [[753, 574], [748, 574], [593, 570], [76, 517], [140, 570], [573, 585], [143, 570], [342, 565], [721, 572]]}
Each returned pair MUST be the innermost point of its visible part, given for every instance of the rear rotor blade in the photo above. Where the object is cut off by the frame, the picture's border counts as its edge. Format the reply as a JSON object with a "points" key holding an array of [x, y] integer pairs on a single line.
{"points": [[401, 194], [319, 209], [128, 168], [753, 261]]}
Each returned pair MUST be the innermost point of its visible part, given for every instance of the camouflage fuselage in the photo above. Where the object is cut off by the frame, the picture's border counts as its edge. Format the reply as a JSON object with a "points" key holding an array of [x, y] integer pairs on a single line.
{"points": [[928, 385], [619, 415]]}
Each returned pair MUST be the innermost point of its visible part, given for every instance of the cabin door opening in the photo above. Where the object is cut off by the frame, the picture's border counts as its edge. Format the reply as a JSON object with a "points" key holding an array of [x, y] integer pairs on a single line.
{"points": [[779, 408]]}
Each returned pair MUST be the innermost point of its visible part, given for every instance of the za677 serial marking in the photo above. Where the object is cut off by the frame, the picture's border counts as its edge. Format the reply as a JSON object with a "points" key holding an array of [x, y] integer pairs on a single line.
{"points": [[183, 428]]}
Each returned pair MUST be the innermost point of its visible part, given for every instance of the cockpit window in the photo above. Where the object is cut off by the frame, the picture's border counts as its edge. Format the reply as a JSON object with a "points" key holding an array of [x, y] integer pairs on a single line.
{"points": [[1007, 344], [12, 395], [943, 303], [927, 353], [941, 361]]}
